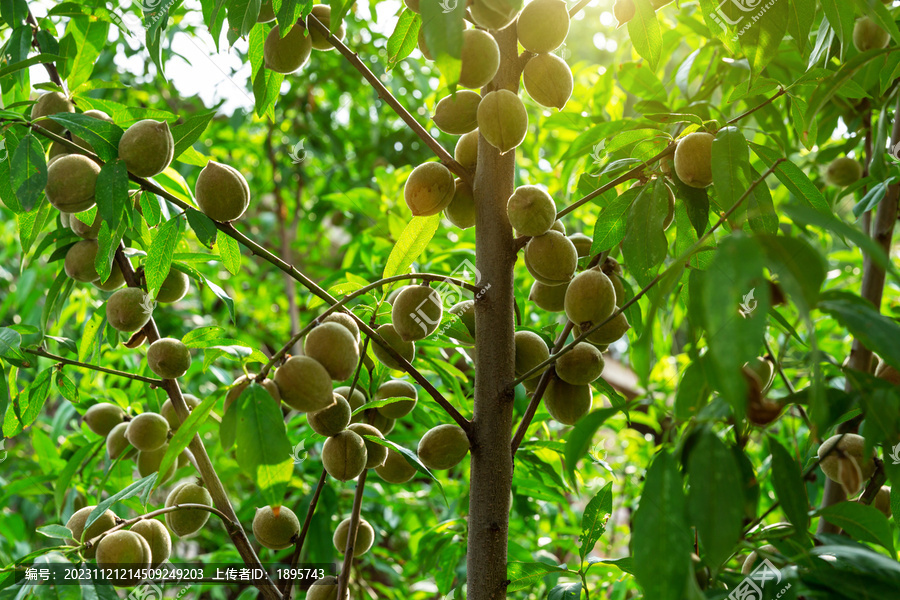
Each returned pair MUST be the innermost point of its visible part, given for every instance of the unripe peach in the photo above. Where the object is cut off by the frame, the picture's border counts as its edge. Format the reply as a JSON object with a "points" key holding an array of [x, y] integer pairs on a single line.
{"points": [[610, 332], [495, 14], [326, 588], [167, 410], [344, 455], [335, 348], [502, 120], [466, 151], [304, 384], [531, 350], [693, 159], [548, 297], [582, 244], [396, 469], [158, 539], [375, 452], [397, 389], [443, 447], [543, 25], [147, 147], [480, 59], [465, 311], [322, 12], [117, 443], [531, 210], [266, 13], [51, 103], [79, 263], [123, 554], [868, 35], [365, 537], [187, 522], [843, 171], [115, 280], [76, 522], [461, 210], [346, 320], [458, 113], [887, 372], [85, 231], [128, 310], [882, 500], [548, 80], [286, 55], [429, 189], [222, 192], [174, 287], [848, 463], [149, 462], [417, 312], [275, 532], [624, 11], [412, 5], [356, 399], [590, 298], [332, 419], [423, 46], [567, 403], [405, 349], [168, 358], [71, 183], [102, 417], [581, 365], [551, 258], [147, 431]]}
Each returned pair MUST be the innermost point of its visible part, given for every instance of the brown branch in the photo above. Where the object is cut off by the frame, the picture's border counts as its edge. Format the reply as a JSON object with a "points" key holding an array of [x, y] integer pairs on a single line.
{"points": [[75, 363], [680, 260], [288, 588], [344, 576], [354, 60], [781, 92], [160, 511], [50, 67]]}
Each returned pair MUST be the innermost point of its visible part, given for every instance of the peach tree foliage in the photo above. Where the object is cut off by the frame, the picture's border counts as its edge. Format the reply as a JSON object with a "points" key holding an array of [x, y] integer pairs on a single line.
{"points": [[684, 464]]}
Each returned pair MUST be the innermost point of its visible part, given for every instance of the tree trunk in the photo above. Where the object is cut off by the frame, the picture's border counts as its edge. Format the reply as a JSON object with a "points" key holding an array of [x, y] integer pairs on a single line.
{"points": [[491, 460]]}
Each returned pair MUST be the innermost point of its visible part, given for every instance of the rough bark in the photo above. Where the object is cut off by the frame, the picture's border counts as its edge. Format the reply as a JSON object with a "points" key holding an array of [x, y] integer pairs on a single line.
{"points": [[491, 461]]}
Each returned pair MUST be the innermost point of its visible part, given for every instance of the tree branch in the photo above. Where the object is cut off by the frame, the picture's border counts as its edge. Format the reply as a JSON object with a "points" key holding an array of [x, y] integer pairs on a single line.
{"points": [[391, 101], [344, 576], [50, 67], [680, 260], [287, 590], [781, 92], [75, 363]]}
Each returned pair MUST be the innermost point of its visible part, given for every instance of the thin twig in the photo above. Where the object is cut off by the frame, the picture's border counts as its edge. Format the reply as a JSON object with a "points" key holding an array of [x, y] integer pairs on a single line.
{"points": [[287, 590], [385, 94], [344, 576], [680, 260], [50, 67], [75, 363], [781, 92]]}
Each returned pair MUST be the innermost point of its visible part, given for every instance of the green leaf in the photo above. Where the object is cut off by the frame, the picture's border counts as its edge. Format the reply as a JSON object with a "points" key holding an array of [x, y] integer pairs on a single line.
{"points": [[761, 32], [185, 434], [693, 391], [159, 256], [190, 131], [644, 245], [38, 392], [800, 268], [28, 172], [266, 83], [760, 208], [645, 33], [579, 440], [730, 166], [794, 179], [841, 17], [55, 531], [787, 479], [593, 522], [527, 575], [89, 36], [410, 457], [802, 15], [735, 279], [404, 38], [129, 492], [862, 522], [10, 341], [661, 538], [242, 16], [443, 36], [230, 251], [102, 136], [876, 332], [74, 463], [715, 499], [566, 591], [262, 448], [112, 192], [203, 226], [67, 387], [411, 243], [610, 226]]}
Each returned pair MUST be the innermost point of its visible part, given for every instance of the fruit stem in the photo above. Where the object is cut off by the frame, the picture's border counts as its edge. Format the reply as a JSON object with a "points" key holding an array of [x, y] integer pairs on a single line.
{"points": [[677, 263], [344, 576], [75, 363], [287, 590]]}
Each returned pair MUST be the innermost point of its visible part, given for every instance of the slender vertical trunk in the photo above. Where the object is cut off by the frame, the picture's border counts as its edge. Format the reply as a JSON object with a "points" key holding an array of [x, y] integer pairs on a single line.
{"points": [[491, 460]]}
